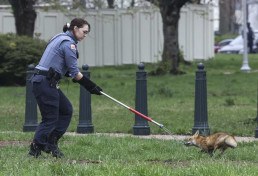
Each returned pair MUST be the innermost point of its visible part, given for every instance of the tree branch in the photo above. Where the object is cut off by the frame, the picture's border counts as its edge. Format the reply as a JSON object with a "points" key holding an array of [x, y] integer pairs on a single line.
{"points": [[181, 3]]}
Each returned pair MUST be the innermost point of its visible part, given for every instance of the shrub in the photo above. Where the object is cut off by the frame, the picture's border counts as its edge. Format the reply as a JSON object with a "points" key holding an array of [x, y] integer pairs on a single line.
{"points": [[16, 53]]}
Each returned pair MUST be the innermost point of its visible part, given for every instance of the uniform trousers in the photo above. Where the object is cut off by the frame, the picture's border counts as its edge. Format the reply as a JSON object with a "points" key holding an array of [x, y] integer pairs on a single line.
{"points": [[55, 108]]}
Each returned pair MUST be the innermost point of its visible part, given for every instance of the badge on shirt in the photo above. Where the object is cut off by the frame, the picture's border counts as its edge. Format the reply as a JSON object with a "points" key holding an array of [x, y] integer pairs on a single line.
{"points": [[73, 47]]}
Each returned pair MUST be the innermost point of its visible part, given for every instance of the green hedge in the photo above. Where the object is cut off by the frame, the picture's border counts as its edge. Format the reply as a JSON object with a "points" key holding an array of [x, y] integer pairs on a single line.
{"points": [[16, 53]]}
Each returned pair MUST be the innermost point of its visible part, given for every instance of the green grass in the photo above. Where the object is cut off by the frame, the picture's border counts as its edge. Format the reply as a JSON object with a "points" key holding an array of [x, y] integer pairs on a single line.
{"points": [[232, 98], [232, 107], [103, 155]]}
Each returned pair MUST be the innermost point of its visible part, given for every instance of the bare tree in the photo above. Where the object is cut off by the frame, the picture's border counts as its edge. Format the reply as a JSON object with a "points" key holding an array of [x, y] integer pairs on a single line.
{"points": [[25, 16], [170, 13]]}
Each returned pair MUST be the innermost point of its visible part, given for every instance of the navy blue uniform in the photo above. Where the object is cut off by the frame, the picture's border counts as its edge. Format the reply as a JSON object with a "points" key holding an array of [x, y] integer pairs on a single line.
{"points": [[250, 39], [56, 110]]}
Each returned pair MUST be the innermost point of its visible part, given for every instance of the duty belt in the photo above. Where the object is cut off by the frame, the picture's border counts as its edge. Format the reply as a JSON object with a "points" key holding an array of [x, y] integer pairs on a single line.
{"points": [[41, 72], [51, 75]]}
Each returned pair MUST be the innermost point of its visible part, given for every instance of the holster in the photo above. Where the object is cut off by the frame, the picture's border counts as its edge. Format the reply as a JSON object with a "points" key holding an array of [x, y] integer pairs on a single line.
{"points": [[53, 77]]}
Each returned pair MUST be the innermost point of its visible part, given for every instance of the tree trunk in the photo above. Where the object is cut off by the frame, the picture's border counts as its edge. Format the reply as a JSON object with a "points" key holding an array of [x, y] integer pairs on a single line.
{"points": [[170, 13], [25, 16], [132, 3], [227, 16], [110, 4], [170, 17]]}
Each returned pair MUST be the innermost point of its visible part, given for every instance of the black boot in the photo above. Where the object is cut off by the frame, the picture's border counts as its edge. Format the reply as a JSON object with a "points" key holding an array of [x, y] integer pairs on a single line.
{"points": [[54, 150], [53, 145], [57, 153], [46, 149], [35, 150]]}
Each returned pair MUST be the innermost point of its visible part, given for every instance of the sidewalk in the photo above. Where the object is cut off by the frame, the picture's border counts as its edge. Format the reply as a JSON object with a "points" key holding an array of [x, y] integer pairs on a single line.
{"points": [[157, 136], [152, 136]]}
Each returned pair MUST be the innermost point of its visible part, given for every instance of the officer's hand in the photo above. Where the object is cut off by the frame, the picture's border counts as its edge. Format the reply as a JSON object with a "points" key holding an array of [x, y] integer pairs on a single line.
{"points": [[96, 90]]}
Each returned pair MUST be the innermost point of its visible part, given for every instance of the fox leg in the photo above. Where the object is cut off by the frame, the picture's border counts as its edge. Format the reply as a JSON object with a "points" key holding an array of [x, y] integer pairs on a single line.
{"points": [[211, 152], [203, 151], [222, 150]]}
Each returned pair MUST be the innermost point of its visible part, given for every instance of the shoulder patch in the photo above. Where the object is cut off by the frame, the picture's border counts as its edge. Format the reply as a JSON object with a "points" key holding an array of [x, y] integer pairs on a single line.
{"points": [[73, 47]]}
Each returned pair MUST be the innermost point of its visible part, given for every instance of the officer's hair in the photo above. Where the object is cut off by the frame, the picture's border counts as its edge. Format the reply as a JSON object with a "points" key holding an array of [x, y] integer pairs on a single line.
{"points": [[79, 22]]}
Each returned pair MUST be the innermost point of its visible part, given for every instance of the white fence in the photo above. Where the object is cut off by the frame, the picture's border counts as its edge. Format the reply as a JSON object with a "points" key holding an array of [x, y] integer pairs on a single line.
{"points": [[128, 36]]}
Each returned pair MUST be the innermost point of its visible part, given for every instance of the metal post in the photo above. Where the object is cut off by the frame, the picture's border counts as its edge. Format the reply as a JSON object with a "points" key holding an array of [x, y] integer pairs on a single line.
{"points": [[31, 119], [200, 112], [141, 126], [256, 130], [85, 117], [245, 66]]}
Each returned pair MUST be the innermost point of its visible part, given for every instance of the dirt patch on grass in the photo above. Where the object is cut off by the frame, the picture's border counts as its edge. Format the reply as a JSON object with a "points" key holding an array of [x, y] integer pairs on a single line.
{"points": [[164, 137], [13, 143], [84, 161]]}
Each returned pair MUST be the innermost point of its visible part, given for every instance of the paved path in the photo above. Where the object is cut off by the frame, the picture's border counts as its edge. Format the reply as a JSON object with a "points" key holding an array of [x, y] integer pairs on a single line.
{"points": [[162, 137], [154, 136]]}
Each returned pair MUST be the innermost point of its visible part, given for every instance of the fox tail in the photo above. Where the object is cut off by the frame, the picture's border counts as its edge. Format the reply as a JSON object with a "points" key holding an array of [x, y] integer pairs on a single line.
{"points": [[231, 141]]}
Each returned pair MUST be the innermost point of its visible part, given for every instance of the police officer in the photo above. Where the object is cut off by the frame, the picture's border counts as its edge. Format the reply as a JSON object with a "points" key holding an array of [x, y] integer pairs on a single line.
{"points": [[59, 59], [250, 37]]}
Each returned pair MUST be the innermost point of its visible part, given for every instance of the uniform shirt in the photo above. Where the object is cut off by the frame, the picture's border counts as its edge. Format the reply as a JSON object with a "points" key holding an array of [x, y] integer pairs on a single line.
{"points": [[61, 54]]}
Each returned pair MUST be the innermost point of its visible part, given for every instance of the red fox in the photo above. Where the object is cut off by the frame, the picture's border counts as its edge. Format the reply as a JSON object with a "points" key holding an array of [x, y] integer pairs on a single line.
{"points": [[213, 142]]}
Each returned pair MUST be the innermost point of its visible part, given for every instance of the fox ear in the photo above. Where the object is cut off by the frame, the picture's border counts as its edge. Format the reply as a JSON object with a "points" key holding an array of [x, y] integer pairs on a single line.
{"points": [[196, 133]]}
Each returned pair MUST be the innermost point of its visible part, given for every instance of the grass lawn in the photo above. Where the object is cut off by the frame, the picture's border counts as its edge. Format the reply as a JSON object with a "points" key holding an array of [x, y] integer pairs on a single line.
{"points": [[112, 156], [232, 98], [232, 107]]}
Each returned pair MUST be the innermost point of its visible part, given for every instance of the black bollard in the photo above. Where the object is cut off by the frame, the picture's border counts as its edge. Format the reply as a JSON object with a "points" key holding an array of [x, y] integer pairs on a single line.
{"points": [[141, 126], [256, 130], [200, 112], [85, 118], [31, 119]]}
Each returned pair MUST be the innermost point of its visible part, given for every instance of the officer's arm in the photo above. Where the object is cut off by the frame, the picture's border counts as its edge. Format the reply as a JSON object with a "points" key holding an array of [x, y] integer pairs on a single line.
{"points": [[88, 84], [70, 57], [71, 62]]}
